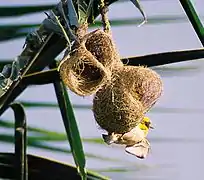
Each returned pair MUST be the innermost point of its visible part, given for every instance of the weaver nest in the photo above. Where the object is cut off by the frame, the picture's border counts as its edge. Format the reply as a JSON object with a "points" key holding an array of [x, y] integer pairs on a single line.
{"points": [[89, 64], [123, 93], [120, 106]]}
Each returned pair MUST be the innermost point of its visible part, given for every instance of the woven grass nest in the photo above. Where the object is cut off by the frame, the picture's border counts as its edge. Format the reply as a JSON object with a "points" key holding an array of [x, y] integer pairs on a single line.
{"points": [[123, 93], [120, 106], [88, 66]]}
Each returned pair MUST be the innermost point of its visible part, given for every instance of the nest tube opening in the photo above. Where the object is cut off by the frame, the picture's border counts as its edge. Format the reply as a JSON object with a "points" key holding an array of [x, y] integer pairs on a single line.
{"points": [[82, 73]]}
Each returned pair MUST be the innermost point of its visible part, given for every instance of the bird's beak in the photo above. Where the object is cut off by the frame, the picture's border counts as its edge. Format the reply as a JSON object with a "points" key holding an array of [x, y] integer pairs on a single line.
{"points": [[149, 124], [151, 127]]}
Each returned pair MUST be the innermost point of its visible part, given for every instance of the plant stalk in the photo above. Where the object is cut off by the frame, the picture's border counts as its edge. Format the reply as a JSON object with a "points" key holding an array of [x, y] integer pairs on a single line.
{"points": [[194, 18], [20, 142]]}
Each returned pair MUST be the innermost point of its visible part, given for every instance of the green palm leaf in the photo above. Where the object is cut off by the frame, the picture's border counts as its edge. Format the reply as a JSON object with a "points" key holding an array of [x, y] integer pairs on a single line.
{"points": [[6, 11], [8, 32], [70, 126]]}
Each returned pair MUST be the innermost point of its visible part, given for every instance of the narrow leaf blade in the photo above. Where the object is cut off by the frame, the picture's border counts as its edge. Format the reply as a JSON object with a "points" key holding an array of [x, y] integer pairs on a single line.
{"points": [[6, 11], [70, 126], [137, 4]]}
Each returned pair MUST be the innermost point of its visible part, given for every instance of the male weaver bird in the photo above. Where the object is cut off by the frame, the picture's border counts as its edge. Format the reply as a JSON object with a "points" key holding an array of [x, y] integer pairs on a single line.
{"points": [[135, 140]]}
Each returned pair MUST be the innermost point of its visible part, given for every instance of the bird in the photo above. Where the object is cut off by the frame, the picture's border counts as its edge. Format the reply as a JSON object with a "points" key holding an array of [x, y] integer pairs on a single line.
{"points": [[135, 140], [131, 137]]}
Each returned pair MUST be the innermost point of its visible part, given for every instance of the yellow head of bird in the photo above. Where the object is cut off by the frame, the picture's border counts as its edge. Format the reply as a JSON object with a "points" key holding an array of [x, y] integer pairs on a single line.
{"points": [[145, 125]]}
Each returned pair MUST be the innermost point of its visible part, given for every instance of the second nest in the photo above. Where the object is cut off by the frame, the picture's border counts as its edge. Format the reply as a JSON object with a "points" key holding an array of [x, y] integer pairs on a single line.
{"points": [[120, 105]]}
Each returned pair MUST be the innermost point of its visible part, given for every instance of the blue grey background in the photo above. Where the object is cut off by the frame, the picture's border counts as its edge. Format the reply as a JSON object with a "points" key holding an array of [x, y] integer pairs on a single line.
{"points": [[178, 139]]}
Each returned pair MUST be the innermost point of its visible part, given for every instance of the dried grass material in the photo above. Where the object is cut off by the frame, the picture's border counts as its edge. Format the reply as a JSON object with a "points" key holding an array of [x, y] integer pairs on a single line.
{"points": [[82, 73], [116, 110], [143, 83], [101, 45], [120, 106]]}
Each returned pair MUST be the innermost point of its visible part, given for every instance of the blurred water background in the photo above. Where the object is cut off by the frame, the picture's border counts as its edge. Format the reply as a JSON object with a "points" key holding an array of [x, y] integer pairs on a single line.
{"points": [[178, 138]]}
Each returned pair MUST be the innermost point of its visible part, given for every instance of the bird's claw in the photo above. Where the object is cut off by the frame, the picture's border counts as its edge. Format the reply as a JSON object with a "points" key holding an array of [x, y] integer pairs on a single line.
{"points": [[111, 138]]}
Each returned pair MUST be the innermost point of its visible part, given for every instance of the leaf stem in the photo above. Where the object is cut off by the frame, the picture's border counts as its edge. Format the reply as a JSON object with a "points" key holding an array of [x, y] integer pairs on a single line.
{"points": [[20, 142], [194, 19], [70, 125], [104, 16]]}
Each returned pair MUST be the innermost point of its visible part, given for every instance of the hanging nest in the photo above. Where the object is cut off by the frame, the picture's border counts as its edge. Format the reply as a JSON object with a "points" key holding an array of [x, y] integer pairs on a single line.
{"points": [[89, 65], [82, 73], [102, 47], [120, 106]]}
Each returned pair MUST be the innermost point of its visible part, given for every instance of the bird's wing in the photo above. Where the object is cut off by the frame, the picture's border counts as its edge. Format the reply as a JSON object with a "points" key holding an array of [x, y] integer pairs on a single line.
{"points": [[134, 136], [140, 150]]}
